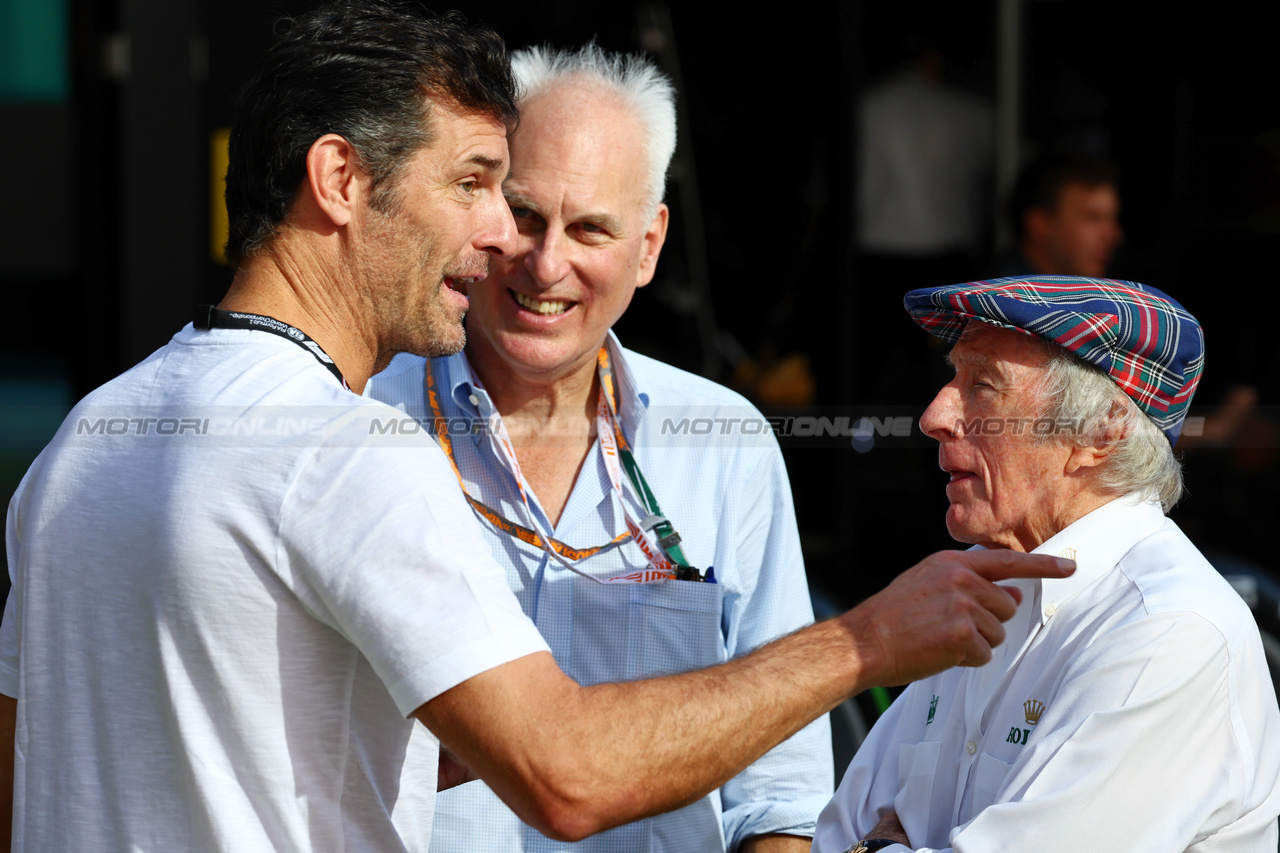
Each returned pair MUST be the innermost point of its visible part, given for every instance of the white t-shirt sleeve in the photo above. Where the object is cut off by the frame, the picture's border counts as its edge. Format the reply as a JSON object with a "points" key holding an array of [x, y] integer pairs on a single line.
{"points": [[9, 627], [402, 571]]}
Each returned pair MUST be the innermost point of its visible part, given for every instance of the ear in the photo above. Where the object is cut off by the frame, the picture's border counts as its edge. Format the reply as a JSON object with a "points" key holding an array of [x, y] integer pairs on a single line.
{"points": [[1107, 437], [653, 240], [335, 178]]}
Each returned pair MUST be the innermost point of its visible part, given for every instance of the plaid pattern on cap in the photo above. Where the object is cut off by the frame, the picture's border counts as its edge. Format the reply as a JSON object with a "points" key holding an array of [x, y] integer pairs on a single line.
{"points": [[1145, 341]]}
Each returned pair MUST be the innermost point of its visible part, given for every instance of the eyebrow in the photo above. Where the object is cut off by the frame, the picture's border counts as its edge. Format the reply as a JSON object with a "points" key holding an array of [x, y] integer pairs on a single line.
{"points": [[973, 359], [612, 224], [493, 164], [608, 222], [515, 199]]}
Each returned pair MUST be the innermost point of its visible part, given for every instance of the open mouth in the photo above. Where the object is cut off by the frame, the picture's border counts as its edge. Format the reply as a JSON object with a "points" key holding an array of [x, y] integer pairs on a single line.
{"points": [[459, 283], [546, 307]]}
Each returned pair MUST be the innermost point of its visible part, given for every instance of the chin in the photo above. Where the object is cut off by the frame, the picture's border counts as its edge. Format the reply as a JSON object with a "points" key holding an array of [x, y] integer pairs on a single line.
{"points": [[959, 532], [441, 345]]}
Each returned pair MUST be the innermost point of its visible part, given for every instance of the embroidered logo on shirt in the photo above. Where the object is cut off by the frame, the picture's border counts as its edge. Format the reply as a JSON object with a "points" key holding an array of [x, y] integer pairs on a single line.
{"points": [[1032, 708], [933, 709]]}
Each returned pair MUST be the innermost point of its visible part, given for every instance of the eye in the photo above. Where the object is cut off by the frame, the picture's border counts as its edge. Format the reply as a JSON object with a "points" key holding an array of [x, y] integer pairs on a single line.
{"points": [[591, 232], [469, 187], [520, 212]]}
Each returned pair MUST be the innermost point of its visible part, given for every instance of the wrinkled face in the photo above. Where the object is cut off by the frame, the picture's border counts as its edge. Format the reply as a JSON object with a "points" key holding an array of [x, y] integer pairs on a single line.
{"points": [[446, 218], [1007, 489], [1082, 232], [577, 192]]}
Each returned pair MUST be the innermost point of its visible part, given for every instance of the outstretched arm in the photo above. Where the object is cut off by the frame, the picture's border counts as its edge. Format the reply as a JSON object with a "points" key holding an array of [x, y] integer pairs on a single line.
{"points": [[572, 761]]}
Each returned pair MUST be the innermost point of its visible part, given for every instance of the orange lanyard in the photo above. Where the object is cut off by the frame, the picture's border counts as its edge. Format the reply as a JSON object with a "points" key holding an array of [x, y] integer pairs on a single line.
{"points": [[660, 569]]}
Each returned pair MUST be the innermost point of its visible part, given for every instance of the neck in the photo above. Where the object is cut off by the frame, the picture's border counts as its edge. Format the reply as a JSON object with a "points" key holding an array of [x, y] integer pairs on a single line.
{"points": [[1065, 515], [549, 419], [539, 399], [287, 282]]}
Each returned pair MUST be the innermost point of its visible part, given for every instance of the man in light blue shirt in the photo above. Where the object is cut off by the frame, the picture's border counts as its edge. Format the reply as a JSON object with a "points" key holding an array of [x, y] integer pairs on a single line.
{"points": [[542, 416]]}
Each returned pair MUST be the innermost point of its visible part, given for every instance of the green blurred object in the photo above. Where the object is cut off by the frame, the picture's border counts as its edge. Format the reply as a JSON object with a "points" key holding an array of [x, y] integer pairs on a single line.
{"points": [[33, 51]]}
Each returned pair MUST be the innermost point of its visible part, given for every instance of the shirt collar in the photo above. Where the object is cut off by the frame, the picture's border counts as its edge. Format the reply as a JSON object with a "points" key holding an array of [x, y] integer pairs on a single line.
{"points": [[1097, 542], [454, 374], [633, 402]]}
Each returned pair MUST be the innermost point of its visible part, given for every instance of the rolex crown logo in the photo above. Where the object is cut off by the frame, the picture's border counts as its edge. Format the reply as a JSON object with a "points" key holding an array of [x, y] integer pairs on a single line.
{"points": [[1068, 553], [1034, 708]]}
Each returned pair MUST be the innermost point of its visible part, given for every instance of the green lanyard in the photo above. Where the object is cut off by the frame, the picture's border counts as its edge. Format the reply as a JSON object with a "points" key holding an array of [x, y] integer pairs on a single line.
{"points": [[668, 537]]}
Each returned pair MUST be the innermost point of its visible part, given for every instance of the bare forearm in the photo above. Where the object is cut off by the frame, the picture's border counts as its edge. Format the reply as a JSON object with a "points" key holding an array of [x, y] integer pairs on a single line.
{"points": [[672, 740], [579, 760], [776, 844], [573, 761]]}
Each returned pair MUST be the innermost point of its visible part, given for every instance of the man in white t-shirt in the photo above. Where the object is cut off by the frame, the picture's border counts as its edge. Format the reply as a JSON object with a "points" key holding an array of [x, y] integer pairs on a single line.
{"points": [[234, 599]]}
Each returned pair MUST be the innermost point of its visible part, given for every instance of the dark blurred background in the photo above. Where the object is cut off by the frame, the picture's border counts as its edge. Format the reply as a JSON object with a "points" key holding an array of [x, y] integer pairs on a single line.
{"points": [[111, 111]]}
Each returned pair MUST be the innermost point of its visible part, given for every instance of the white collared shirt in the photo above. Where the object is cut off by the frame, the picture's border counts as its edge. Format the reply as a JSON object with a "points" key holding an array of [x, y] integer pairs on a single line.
{"points": [[1130, 705]]}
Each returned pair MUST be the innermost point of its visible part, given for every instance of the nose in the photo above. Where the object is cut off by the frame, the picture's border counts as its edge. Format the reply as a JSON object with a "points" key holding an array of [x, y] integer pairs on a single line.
{"points": [[548, 258], [498, 236], [941, 420]]}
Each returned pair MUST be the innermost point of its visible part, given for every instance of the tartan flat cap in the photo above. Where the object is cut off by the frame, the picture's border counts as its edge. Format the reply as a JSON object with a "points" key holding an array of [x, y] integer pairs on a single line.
{"points": [[1145, 341]]}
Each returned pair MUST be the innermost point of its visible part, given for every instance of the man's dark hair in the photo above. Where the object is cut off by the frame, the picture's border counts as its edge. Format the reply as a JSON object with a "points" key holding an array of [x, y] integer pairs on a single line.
{"points": [[367, 70], [1041, 183]]}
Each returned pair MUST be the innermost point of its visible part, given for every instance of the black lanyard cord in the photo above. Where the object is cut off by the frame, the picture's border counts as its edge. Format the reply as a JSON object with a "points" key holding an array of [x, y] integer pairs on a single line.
{"points": [[207, 317]]}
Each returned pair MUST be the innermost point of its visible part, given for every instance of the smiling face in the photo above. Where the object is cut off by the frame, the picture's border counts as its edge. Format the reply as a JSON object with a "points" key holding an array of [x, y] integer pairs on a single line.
{"points": [[1007, 488], [445, 218], [577, 191]]}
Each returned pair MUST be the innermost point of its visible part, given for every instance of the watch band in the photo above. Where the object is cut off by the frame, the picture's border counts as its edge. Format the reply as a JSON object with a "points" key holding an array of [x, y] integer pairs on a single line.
{"points": [[866, 845]]}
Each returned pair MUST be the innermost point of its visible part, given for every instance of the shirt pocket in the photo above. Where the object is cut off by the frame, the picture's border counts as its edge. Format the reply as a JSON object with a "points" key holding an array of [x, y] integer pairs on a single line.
{"points": [[988, 778], [674, 626], [917, 769]]}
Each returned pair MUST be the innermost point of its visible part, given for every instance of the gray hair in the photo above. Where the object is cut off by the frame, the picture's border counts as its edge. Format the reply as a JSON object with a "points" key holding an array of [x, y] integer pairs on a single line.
{"points": [[1085, 397], [634, 79]]}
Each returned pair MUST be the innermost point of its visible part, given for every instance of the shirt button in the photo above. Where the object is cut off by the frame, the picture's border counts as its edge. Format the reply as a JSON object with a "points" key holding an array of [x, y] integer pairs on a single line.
{"points": [[1050, 609], [475, 401], [971, 747]]}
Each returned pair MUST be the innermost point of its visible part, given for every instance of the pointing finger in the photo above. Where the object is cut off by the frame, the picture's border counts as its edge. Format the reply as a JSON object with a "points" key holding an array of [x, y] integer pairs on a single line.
{"points": [[1002, 565]]}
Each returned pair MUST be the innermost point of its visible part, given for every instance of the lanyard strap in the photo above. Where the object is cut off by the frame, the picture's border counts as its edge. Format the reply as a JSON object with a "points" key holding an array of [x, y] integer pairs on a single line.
{"points": [[662, 564], [559, 550], [607, 416], [207, 317]]}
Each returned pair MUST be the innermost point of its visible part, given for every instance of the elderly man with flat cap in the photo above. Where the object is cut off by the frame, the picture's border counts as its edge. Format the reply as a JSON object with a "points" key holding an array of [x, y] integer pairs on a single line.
{"points": [[1131, 708]]}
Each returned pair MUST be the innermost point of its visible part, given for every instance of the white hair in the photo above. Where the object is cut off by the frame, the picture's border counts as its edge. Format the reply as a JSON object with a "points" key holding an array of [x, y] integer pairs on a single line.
{"points": [[1081, 395], [638, 83]]}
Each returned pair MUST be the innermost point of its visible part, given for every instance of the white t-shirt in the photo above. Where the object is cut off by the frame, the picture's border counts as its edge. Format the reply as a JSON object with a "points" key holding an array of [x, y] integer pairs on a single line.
{"points": [[229, 592]]}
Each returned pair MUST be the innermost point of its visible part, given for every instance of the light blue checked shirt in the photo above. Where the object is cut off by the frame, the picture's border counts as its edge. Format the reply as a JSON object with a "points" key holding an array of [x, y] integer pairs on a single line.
{"points": [[716, 470]]}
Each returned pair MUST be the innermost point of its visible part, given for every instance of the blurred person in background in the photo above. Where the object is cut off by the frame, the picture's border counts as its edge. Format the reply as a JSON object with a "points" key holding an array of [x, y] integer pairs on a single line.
{"points": [[1066, 216]]}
